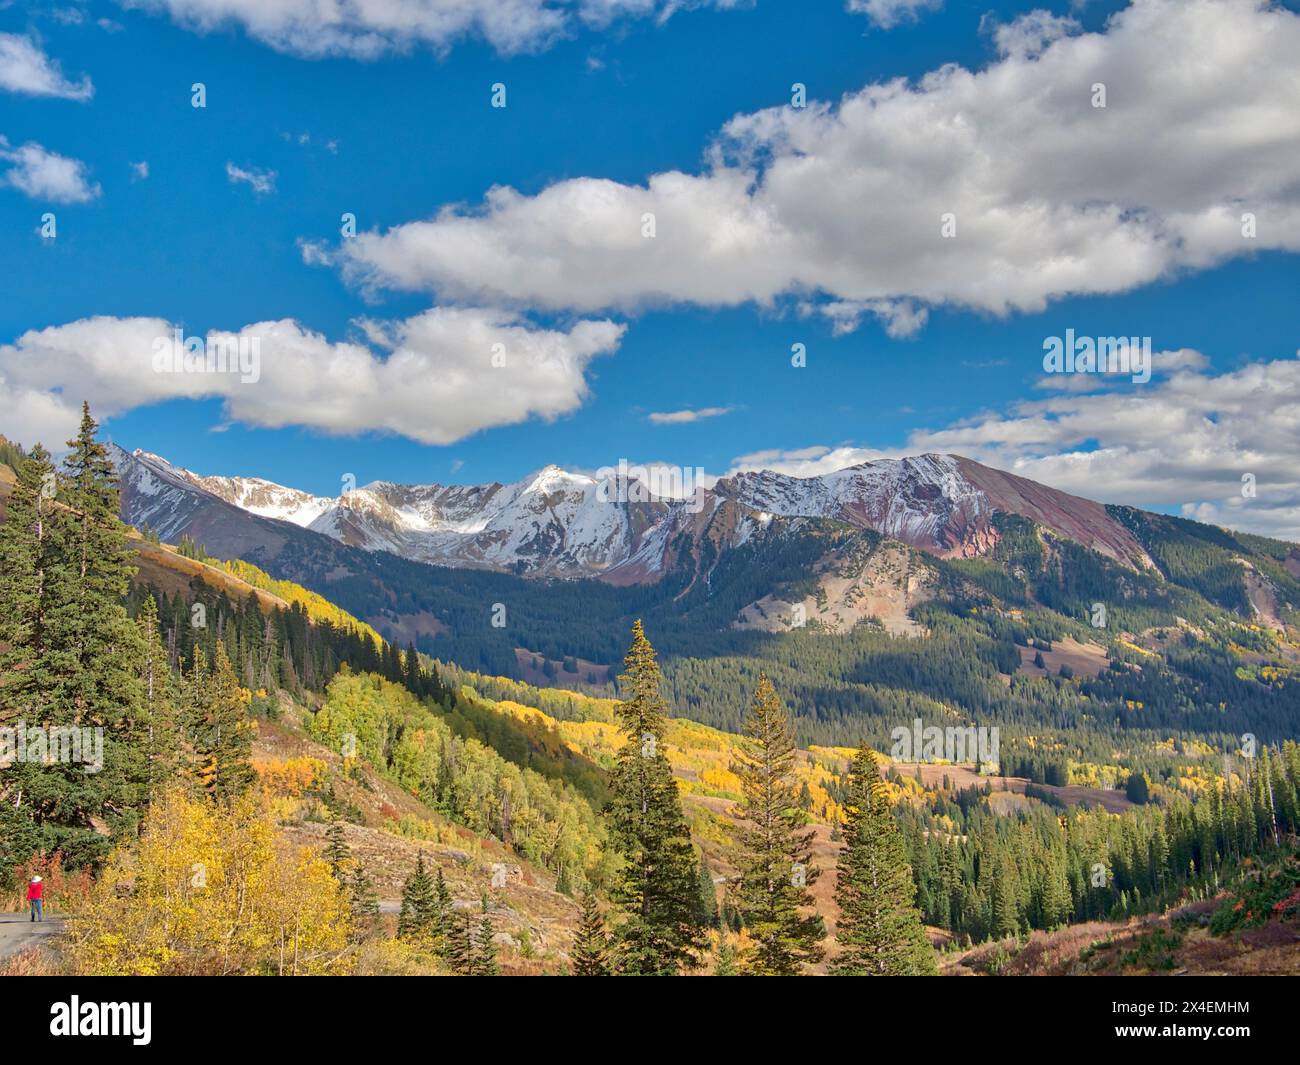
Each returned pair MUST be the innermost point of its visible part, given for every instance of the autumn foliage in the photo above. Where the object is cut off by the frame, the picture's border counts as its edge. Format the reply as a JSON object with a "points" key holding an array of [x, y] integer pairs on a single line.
{"points": [[211, 891]]}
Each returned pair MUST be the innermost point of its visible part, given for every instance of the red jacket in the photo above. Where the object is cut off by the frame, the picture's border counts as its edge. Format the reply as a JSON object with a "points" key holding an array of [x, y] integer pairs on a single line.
{"points": [[34, 891]]}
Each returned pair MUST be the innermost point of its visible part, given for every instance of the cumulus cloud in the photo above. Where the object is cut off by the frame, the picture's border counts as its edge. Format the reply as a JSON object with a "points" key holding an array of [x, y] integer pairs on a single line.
{"points": [[46, 175], [847, 203], [367, 29], [1183, 441], [260, 181], [684, 417], [25, 68], [889, 13], [436, 377]]}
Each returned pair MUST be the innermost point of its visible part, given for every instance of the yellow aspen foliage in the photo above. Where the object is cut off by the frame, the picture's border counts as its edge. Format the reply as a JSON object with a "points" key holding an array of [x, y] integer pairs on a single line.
{"points": [[210, 890]]}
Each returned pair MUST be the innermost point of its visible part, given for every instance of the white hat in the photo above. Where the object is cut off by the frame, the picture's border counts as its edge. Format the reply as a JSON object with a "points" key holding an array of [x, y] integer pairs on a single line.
{"points": [[36, 880]]}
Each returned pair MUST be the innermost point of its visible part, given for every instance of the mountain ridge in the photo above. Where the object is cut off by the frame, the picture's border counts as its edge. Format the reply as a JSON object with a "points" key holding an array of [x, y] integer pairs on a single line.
{"points": [[557, 523]]}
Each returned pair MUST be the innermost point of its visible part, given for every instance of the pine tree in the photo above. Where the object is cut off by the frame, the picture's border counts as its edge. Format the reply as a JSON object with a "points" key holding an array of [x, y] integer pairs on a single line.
{"points": [[25, 548], [443, 909], [361, 891], [707, 913], [591, 944], [24, 558], [337, 852], [880, 931], [724, 956], [656, 887], [484, 951], [161, 716], [419, 912], [775, 853], [224, 734], [460, 944], [72, 656]]}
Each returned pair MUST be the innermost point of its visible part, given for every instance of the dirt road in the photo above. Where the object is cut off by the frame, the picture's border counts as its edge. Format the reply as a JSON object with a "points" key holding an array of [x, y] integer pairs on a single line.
{"points": [[18, 932]]}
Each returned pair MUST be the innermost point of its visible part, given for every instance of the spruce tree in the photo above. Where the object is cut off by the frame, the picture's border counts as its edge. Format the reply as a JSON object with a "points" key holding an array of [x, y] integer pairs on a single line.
{"points": [[224, 734], [25, 550], [880, 932], [724, 955], [775, 852], [419, 903], [72, 656], [161, 715], [460, 944], [25, 820], [707, 913], [337, 852], [656, 886], [484, 950], [591, 944], [443, 909], [361, 892]]}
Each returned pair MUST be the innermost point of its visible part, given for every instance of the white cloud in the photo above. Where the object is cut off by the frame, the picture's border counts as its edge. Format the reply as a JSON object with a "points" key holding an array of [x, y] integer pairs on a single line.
{"points": [[367, 29], [1182, 441], [260, 181], [445, 374], [843, 203], [810, 461], [46, 175], [139, 171], [25, 68], [889, 13], [683, 417], [1027, 36]]}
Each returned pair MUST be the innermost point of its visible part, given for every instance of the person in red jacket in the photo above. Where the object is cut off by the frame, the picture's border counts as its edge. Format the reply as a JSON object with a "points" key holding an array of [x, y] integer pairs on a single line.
{"points": [[34, 891]]}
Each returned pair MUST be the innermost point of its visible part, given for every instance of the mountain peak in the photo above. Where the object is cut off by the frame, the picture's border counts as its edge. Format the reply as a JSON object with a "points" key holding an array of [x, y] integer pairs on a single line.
{"points": [[556, 522]]}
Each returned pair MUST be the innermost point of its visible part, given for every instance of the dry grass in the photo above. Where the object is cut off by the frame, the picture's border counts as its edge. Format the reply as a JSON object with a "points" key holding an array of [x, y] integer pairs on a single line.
{"points": [[34, 961]]}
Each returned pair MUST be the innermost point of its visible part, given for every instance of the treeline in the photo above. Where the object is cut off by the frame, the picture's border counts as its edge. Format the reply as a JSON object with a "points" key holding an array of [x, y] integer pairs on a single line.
{"points": [[280, 648], [981, 874]]}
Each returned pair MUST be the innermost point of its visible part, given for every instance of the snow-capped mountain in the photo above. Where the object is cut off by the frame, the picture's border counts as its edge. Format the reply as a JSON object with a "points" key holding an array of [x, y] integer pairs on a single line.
{"points": [[564, 524], [944, 504]]}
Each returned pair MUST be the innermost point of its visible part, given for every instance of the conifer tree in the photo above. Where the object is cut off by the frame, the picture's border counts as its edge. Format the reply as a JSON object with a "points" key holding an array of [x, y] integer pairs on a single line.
{"points": [[419, 911], [591, 944], [484, 950], [337, 852], [25, 538], [656, 887], [724, 955], [443, 909], [460, 944], [880, 931], [361, 892], [707, 914], [71, 659], [161, 716], [775, 853], [224, 734], [25, 544]]}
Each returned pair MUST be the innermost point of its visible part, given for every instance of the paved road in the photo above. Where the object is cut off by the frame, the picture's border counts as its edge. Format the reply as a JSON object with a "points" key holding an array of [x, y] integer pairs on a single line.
{"points": [[18, 931]]}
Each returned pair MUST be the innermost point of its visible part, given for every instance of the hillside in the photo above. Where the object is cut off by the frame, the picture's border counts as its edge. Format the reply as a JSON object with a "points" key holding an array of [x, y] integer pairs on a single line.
{"points": [[823, 571], [385, 827]]}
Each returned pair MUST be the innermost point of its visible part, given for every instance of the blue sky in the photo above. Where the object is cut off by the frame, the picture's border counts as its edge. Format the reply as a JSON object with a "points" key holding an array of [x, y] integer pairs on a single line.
{"points": [[398, 136]]}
